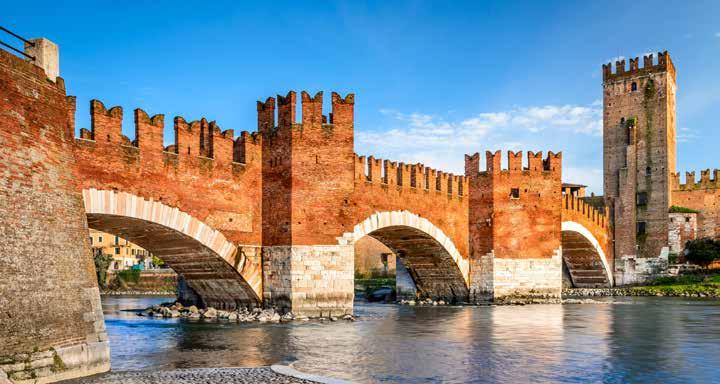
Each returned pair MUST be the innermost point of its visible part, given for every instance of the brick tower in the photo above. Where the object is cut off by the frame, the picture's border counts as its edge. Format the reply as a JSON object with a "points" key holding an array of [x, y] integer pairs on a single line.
{"points": [[639, 156]]}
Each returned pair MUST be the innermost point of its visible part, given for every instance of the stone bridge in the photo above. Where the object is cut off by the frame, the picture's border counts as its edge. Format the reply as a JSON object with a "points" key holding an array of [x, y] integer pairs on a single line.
{"points": [[265, 218]]}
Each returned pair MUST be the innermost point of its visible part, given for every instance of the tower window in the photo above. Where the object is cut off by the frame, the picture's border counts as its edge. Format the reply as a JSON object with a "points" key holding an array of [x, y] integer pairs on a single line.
{"points": [[648, 171], [633, 87], [642, 198], [641, 228], [514, 193]]}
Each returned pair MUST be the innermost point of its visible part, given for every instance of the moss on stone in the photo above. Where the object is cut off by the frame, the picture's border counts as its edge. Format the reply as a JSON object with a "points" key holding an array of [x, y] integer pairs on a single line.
{"points": [[679, 209]]}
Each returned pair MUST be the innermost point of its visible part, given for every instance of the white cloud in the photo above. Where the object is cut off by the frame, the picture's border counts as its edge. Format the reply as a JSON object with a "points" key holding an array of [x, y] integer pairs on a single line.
{"points": [[686, 135], [592, 177], [440, 141]]}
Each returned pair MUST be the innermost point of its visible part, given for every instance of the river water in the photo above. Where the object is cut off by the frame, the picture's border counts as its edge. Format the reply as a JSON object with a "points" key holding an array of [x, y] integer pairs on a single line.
{"points": [[629, 340]]}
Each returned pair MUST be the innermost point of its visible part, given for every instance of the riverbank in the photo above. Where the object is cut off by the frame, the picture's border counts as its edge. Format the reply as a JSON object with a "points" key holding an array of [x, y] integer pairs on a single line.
{"points": [[695, 285], [278, 374], [137, 293]]}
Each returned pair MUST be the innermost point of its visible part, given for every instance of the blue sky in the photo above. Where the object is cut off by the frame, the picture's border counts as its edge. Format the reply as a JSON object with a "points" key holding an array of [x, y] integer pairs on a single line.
{"points": [[433, 80]]}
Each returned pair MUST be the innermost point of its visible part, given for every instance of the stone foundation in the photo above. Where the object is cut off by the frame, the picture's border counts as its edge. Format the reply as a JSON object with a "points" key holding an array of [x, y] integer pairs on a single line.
{"points": [[309, 280], [58, 363], [495, 279], [639, 270]]}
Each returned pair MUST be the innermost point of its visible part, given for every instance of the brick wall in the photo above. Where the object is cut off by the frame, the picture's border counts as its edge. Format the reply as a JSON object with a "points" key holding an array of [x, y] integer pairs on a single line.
{"points": [[703, 196], [639, 151], [49, 295]]}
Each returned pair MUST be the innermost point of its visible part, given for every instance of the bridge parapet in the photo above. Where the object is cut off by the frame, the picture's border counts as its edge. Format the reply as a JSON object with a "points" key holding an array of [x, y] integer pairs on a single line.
{"points": [[585, 229], [404, 176], [708, 180], [197, 144]]}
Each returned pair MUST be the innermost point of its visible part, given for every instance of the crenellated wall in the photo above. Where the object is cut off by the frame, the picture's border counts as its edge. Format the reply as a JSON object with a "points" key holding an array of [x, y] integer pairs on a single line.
{"points": [[198, 174], [701, 195], [515, 217], [384, 185]]}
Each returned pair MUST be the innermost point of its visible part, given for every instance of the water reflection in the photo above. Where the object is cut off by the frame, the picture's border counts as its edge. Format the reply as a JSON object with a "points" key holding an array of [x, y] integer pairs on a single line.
{"points": [[641, 340]]}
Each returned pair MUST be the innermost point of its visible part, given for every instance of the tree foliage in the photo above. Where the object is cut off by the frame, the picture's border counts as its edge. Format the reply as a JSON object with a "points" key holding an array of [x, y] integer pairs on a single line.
{"points": [[702, 251], [102, 263]]}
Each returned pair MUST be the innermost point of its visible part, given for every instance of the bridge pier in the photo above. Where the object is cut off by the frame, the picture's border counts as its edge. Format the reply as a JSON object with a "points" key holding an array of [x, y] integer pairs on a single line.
{"points": [[310, 280], [499, 279], [51, 325]]}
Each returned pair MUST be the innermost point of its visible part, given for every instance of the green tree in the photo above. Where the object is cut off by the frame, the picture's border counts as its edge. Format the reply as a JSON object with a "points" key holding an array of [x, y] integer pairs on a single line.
{"points": [[157, 262], [102, 263], [702, 251]]}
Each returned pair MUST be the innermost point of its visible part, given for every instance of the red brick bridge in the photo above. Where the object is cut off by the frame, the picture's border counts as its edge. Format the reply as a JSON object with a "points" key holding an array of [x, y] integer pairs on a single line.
{"points": [[267, 218]]}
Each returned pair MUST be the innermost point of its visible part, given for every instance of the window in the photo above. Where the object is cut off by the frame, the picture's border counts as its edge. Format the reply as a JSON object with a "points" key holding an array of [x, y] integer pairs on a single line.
{"points": [[117, 251], [687, 219], [642, 198], [117, 240], [99, 239], [633, 87], [133, 251], [514, 193], [641, 228], [90, 240], [648, 171]]}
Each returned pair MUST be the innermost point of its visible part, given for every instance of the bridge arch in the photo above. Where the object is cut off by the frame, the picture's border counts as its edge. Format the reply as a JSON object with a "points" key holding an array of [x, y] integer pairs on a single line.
{"points": [[585, 257], [208, 262], [435, 265]]}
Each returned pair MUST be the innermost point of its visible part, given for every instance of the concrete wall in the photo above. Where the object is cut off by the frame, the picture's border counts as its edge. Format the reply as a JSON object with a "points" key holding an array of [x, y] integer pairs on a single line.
{"points": [[52, 322]]}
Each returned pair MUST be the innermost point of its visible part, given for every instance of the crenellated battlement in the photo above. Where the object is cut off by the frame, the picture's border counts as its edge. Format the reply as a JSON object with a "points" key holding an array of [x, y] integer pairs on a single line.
{"points": [[535, 163], [313, 119], [408, 176], [576, 209], [664, 64], [708, 180], [193, 140]]}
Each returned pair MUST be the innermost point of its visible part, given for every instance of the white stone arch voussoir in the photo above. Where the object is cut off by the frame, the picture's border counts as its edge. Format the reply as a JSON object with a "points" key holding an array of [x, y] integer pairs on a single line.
{"points": [[106, 202], [379, 220], [579, 228]]}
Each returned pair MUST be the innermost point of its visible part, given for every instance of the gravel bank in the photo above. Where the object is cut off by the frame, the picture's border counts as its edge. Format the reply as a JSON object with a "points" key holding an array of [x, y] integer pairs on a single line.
{"points": [[194, 376]]}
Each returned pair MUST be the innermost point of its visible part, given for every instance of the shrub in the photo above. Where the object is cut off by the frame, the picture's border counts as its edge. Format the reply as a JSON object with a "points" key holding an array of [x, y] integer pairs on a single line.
{"points": [[129, 276], [102, 262], [679, 209], [702, 251]]}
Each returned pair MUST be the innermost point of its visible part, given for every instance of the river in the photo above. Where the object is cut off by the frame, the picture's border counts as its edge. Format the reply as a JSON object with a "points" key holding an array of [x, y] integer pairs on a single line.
{"points": [[637, 340]]}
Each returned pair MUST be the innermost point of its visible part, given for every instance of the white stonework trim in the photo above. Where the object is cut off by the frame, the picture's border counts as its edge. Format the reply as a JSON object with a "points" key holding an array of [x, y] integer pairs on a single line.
{"points": [[104, 202], [579, 228], [379, 220]]}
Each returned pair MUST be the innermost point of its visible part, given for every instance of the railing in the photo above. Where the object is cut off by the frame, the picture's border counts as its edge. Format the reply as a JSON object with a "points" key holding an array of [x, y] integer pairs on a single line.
{"points": [[15, 35]]}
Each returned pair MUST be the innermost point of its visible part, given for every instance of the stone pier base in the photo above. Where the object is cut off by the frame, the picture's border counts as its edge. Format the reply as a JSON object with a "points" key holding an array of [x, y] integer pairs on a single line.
{"points": [[498, 279], [631, 269], [309, 280]]}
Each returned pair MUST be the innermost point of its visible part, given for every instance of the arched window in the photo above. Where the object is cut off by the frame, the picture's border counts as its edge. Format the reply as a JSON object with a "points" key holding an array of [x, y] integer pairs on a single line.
{"points": [[633, 86]]}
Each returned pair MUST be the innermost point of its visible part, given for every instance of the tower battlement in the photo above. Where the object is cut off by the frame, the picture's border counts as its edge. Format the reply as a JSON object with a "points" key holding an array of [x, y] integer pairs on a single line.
{"points": [[664, 64], [313, 118], [535, 163]]}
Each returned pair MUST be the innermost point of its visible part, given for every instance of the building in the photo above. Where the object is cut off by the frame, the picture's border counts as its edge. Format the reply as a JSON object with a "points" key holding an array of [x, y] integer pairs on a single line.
{"points": [[125, 254], [651, 213], [373, 258]]}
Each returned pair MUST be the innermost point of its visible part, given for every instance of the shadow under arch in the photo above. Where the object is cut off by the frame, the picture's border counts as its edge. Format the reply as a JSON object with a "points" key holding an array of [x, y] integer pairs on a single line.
{"points": [[584, 257], [434, 263], [207, 261]]}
